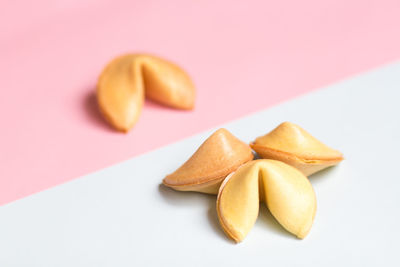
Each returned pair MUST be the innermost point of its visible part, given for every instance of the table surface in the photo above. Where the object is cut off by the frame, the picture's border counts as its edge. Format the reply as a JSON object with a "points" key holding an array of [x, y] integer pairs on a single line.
{"points": [[122, 216]]}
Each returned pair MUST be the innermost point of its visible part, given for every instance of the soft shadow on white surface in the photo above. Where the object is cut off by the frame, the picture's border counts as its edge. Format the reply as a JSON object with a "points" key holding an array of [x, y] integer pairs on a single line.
{"points": [[177, 198], [214, 222], [323, 175]]}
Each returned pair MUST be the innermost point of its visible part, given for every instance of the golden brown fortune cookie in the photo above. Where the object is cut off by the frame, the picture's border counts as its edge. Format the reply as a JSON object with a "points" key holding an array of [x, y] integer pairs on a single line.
{"points": [[286, 191], [221, 154], [291, 144], [127, 79]]}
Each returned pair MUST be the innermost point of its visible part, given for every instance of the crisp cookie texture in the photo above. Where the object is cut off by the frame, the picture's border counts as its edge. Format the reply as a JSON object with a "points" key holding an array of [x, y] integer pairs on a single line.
{"points": [[127, 79], [293, 145], [286, 191], [221, 154]]}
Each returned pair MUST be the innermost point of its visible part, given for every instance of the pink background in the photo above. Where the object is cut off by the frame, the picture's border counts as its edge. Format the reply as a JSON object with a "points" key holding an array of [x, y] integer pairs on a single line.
{"points": [[243, 56]]}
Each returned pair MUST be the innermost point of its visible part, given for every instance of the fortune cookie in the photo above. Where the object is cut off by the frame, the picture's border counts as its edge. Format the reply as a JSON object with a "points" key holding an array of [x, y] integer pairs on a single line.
{"points": [[286, 191], [221, 154], [127, 79], [291, 144]]}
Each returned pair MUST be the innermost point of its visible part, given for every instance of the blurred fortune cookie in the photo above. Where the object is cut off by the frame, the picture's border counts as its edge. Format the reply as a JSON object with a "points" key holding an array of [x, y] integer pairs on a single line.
{"points": [[128, 79]]}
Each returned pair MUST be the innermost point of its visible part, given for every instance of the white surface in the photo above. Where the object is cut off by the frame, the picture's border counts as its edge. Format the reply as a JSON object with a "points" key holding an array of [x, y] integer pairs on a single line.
{"points": [[121, 216]]}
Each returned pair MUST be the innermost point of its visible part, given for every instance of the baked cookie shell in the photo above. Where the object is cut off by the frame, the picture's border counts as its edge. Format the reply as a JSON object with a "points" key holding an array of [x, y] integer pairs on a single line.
{"points": [[221, 154], [293, 145], [128, 79], [286, 191]]}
